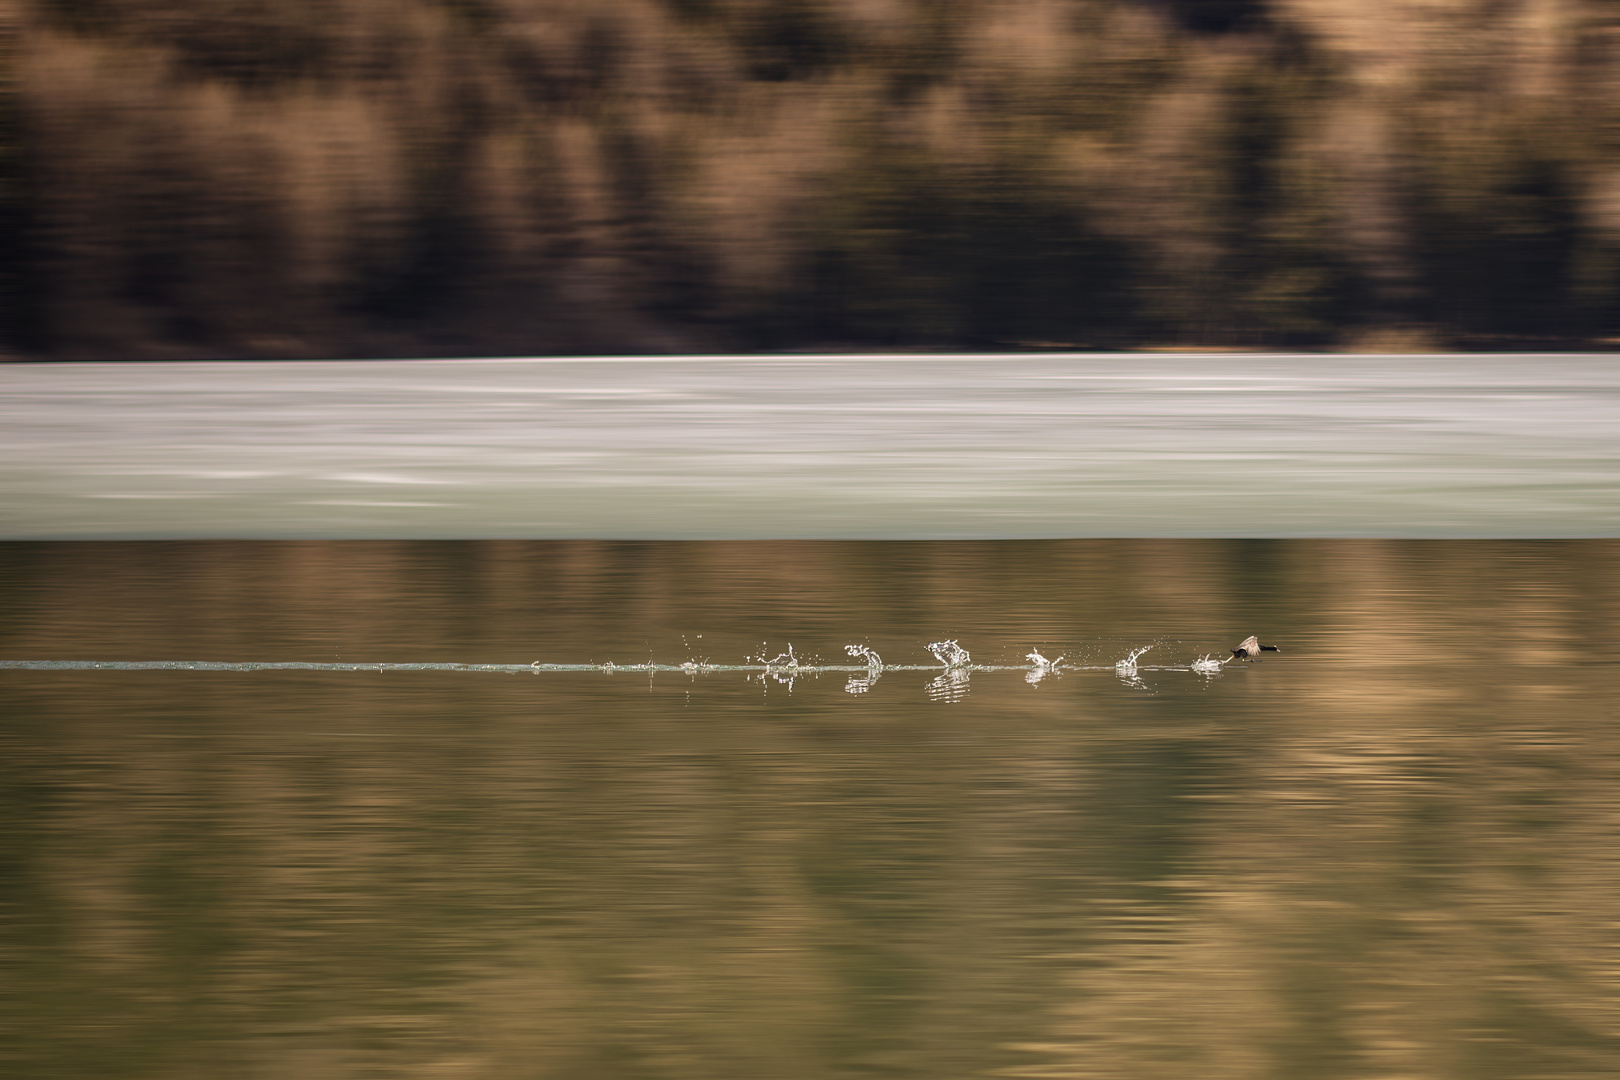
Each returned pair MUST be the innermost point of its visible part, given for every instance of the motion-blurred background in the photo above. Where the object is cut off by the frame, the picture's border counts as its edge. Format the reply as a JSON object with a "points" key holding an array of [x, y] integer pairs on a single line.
{"points": [[318, 178]]}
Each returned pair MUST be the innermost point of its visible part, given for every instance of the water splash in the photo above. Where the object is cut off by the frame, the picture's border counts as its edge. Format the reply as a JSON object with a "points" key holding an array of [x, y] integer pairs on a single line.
{"points": [[782, 669], [951, 686], [781, 662], [1206, 666], [873, 660], [1128, 665], [1042, 667], [950, 654], [1126, 669], [860, 684]]}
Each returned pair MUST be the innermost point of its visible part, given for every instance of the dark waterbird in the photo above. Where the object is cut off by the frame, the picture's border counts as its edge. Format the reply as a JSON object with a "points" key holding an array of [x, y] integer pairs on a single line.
{"points": [[1250, 649]]}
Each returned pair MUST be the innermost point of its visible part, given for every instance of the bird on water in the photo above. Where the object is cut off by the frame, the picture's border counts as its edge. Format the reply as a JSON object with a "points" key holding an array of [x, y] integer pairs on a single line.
{"points": [[1250, 649]]}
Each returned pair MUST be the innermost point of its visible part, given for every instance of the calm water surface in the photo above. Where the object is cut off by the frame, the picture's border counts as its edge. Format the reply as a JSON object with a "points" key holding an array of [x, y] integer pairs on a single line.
{"points": [[1389, 850]]}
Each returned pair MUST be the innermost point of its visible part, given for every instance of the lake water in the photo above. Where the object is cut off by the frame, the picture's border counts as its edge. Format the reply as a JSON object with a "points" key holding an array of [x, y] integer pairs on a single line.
{"points": [[1388, 850], [839, 447]]}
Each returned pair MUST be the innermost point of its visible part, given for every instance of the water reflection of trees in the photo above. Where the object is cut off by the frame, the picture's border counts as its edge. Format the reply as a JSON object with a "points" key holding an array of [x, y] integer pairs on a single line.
{"points": [[1389, 855]]}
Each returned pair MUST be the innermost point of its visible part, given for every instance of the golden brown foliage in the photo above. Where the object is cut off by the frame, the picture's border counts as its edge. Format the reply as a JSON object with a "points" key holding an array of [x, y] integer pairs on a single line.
{"points": [[392, 177]]}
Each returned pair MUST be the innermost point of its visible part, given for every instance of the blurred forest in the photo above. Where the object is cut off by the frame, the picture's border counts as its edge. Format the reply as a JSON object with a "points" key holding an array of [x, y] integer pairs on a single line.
{"points": [[310, 178]]}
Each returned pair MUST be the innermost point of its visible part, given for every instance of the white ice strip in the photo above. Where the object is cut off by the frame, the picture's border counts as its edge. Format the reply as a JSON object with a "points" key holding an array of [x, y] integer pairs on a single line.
{"points": [[806, 446]]}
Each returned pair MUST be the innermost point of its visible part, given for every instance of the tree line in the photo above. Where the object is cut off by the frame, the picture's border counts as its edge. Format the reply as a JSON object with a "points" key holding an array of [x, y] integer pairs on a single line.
{"points": [[463, 177]]}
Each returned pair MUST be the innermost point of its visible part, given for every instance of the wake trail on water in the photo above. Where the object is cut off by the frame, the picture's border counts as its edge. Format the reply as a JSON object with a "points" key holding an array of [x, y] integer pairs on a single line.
{"points": [[954, 666], [689, 668]]}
